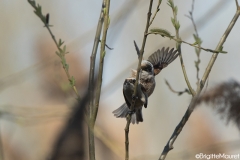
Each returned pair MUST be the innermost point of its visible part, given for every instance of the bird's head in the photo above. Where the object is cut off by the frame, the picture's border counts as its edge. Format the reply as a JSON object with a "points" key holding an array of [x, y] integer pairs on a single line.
{"points": [[147, 67]]}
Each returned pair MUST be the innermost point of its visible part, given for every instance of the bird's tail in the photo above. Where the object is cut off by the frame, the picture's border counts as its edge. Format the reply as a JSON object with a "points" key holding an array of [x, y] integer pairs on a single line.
{"points": [[139, 117], [123, 111]]}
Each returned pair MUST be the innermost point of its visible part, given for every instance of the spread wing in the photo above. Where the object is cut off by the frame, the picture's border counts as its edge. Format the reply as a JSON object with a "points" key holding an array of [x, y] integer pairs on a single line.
{"points": [[162, 58]]}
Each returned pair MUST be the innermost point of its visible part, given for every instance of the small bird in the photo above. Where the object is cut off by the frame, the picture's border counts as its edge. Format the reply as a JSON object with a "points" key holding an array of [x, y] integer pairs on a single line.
{"points": [[149, 69]]}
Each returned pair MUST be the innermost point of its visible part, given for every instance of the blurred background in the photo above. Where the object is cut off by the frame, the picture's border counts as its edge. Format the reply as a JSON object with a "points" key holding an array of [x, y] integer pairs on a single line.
{"points": [[35, 98]]}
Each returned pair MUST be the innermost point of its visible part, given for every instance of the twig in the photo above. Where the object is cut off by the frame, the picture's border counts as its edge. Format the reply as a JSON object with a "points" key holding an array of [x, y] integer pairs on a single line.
{"points": [[91, 85], [106, 45], [181, 124], [61, 51], [158, 9], [178, 129], [199, 47], [102, 55], [126, 137], [219, 47], [94, 107], [177, 26], [178, 92], [137, 49], [197, 38], [137, 79], [193, 45]]}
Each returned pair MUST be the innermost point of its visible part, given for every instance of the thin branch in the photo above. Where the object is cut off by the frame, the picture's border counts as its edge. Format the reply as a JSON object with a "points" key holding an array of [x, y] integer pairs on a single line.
{"points": [[237, 4], [61, 51], [126, 137], [197, 38], [177, 26], [178, 129], [102, 55], [157, 10], [193, 45], [137, 49], [106, 45], [219, 47], [91, 84], [137, 79], [199, 47], [178, 92], [187, 114]]}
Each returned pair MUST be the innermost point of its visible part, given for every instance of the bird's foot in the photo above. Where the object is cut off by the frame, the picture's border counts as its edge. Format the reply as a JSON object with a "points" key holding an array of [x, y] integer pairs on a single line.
{"points": [[134, 97]]}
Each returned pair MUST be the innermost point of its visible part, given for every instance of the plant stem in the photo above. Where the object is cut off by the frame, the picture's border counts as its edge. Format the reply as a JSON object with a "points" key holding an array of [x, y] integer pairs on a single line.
{"points": [[91, 85], [219, 47], [101, 64], [198, 51], [65, 69], [181, 124], [137, 79], [181, 57], [158, 9], [193, 45], [127, 138]]}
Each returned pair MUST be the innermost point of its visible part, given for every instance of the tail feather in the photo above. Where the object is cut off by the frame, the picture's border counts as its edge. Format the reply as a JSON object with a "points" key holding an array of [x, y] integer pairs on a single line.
{"points": [[139, 117], [123, 111]]}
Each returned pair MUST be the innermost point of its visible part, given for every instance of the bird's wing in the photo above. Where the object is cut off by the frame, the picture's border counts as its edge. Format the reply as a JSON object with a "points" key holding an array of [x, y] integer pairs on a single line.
{"points": [[162, 58], [126, 100]]}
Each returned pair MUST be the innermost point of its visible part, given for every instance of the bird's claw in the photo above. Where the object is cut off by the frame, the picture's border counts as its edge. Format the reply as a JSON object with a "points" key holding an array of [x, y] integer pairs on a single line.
{"points": [[134, 97]]}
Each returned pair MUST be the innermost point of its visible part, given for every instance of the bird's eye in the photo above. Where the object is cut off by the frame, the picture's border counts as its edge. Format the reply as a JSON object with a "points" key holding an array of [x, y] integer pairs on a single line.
{"points": [[148, 69]]}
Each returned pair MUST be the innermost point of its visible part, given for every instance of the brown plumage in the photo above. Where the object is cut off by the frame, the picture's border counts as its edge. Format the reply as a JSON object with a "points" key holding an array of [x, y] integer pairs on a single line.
{"points": [[149, 69]]}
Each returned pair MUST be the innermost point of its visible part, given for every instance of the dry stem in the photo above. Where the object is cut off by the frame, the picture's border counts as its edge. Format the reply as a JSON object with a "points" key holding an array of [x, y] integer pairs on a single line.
{"points": [[91, 86], [137, 79], [181, 124]]}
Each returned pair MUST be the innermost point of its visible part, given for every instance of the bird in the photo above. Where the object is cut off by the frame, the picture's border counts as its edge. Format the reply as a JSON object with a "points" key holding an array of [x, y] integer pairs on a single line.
{"points": [[146, 85]]}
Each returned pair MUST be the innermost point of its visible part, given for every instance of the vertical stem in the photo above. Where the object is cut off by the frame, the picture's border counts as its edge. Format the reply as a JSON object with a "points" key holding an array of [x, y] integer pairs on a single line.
{"points": [[137, 79], [181, 124], [127, 138], [106, 7], [181, 57], [143, 46], [219, 47], [102, 55], [159, 3], [91, 85]]}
